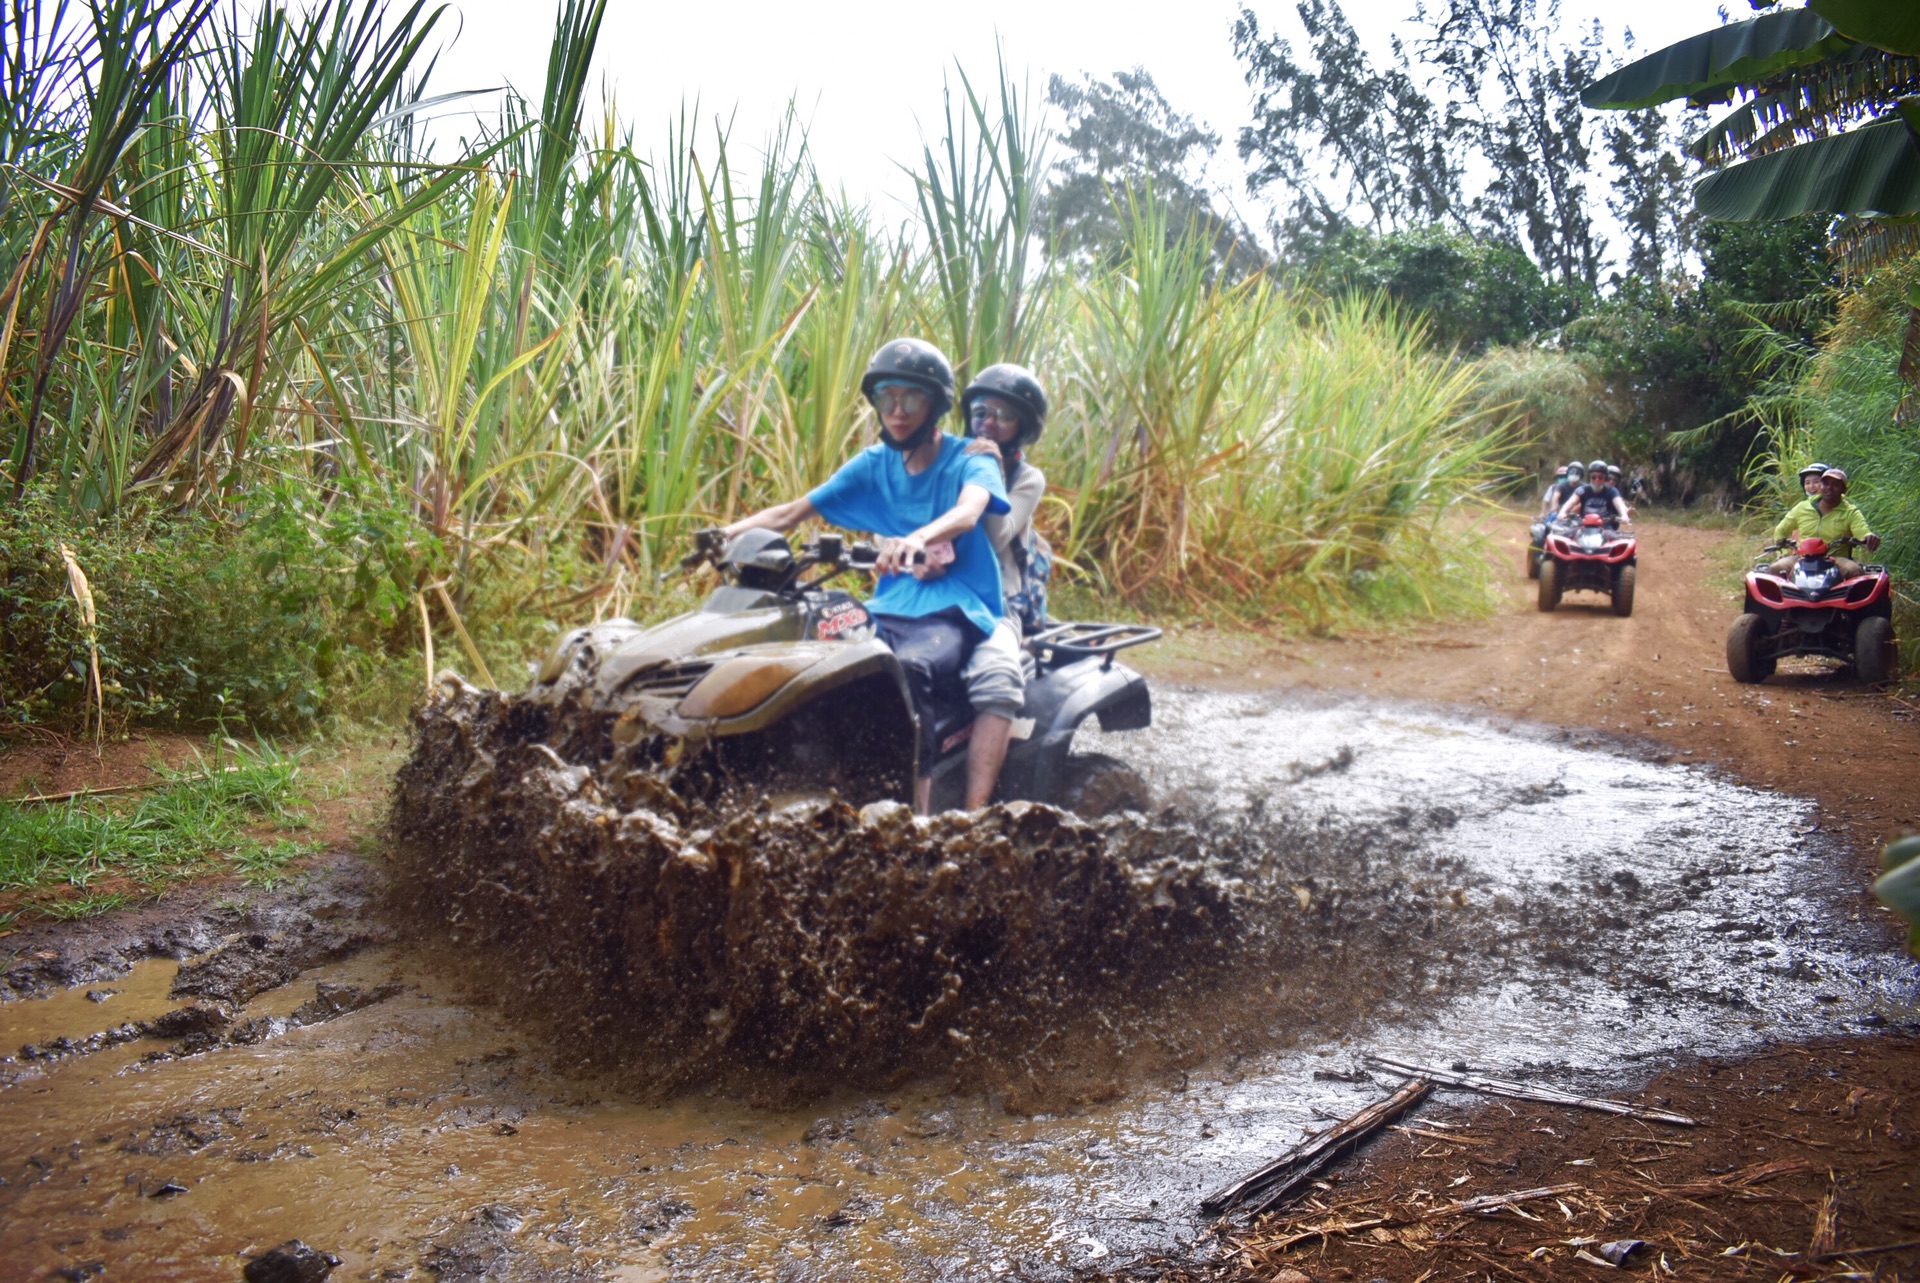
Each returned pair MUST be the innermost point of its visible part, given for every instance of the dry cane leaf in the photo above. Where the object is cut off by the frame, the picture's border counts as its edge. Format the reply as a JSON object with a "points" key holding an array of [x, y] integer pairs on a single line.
{"points": [[1826, 1222], [90, 620]]}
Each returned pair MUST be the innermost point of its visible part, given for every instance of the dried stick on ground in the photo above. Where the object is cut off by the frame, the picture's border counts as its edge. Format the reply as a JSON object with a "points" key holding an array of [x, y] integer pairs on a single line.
{"points": [[1313, 1154], [1480, 1206], [1527, 1091]]}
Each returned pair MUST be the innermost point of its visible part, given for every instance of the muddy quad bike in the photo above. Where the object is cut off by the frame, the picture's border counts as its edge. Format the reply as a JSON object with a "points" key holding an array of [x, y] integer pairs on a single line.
{"points": [[1589, 557], [784, 682], [1814, 610]]}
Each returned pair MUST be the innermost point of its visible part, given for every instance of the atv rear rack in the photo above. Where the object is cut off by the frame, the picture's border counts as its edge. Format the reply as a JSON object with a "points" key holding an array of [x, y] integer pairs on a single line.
{"points": [[1065, 643]]}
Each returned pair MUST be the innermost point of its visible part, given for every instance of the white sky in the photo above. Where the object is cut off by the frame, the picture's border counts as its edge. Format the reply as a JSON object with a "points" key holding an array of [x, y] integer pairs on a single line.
{"points": [[867, 76]]}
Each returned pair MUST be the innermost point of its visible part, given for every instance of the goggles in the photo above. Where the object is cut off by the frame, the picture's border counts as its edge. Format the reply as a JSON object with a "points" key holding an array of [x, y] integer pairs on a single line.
{"points": [[980, 413], [895, 397]]}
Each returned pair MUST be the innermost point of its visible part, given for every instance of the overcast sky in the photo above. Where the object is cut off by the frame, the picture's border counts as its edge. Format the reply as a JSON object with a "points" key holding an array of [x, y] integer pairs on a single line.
{"points": [[867, 76]]}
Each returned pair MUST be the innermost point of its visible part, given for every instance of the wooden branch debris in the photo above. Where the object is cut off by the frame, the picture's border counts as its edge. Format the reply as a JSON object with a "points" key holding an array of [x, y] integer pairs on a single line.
{"points": [[1480, 1206], [1527, 1091], [1312, 1155]]}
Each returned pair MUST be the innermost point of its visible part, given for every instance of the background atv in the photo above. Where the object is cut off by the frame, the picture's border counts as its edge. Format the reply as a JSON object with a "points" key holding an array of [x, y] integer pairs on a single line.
{"points": [[1589, 557], [1537, 533], [1814, 610], [780, 684]]}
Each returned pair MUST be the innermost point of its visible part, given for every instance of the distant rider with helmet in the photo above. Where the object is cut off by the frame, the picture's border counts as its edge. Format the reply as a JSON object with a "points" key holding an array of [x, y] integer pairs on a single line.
{"points": [[1005, 410], [1560, 489], [1597, 498], [1810, 479], [918, 489], [1831, 517]]}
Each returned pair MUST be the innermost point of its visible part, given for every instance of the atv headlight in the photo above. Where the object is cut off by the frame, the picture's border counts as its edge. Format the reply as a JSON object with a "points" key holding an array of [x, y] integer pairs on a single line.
{"points": [[740, 684]]}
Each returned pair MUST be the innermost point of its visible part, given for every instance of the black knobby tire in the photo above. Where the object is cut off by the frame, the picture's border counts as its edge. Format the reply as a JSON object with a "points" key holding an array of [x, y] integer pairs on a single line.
{"points": [[1098, 785], [1744, 659], [1549, 583], [1623, 590], [1875, 661], [1533, 562]]}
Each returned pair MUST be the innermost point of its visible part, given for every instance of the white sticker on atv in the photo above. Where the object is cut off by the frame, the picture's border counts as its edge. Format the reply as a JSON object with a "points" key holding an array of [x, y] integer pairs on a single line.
{"points": [[848, 616]]}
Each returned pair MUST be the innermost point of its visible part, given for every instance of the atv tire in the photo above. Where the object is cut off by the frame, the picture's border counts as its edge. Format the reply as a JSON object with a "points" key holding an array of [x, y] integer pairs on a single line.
{"points": [[1744, 659], [1549, 584], [1097, 785], [1623, 590], [1533, 562], [1875, 661]]}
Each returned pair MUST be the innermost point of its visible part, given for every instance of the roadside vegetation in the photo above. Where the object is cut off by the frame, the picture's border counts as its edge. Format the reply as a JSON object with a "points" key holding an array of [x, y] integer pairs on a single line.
{"points": [[238, 811], [293, 416], [291, 402]]}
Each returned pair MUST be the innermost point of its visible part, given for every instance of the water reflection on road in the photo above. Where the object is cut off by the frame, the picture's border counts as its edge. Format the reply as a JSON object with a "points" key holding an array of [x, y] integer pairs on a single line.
{"points": [[1631, 912]]}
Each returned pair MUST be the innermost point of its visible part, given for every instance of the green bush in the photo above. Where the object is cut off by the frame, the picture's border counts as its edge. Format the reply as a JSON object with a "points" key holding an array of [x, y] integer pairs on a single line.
{"points": [[246, 616]]}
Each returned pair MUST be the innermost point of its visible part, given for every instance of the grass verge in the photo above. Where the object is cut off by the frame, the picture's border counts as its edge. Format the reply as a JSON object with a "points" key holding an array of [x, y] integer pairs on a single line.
{"points": [[239, 810]]}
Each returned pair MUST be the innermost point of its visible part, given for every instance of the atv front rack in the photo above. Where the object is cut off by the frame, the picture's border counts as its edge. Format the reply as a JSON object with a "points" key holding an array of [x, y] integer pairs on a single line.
{"points": [[1066, 643]]}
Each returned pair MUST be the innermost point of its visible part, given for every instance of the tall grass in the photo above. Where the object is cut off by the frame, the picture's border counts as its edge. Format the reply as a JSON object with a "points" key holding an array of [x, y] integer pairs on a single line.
{"points": [[557, 351]]}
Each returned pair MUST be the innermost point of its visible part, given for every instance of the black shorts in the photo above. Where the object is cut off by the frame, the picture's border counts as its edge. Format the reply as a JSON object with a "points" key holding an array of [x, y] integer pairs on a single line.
{"points": [[932, 650]]}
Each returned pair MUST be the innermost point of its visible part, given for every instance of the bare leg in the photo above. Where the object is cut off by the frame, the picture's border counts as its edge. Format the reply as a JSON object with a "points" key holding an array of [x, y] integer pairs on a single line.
{"points": [[986, 753], [922, 794]]}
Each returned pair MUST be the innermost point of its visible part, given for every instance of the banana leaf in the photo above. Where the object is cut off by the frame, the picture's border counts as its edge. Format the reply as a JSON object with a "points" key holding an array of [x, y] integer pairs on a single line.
{"points": [[1899, 887], [1873, 171], [1893, 25], [1705, 67], [1808, 102]]}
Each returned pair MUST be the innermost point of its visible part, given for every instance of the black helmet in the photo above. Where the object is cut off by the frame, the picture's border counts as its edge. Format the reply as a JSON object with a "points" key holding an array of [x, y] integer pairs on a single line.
{"points": [[1812, 469], [922, 364], [1574, 468], [1598, 465], [1013, 383]]}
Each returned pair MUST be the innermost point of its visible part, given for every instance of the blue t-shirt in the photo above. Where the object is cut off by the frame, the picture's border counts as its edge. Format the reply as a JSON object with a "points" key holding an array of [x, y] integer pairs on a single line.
{"points": [[874, 492]]}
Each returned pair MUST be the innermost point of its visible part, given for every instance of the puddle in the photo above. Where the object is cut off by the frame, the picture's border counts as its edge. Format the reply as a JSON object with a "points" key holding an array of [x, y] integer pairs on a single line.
{"points": [[1595, 916]]}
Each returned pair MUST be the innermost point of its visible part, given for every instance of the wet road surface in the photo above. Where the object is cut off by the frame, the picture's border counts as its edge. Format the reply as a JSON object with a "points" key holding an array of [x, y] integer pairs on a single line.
{"points": [[1603, 916]]}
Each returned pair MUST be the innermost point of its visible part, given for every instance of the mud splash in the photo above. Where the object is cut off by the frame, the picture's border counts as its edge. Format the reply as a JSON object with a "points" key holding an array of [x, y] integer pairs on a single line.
{"points": [[676, 939], [1438, 888]]}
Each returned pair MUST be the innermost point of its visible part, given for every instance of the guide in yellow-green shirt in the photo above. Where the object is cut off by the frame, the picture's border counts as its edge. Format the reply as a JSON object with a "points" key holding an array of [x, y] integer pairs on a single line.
{"points": [[1805, 521]]}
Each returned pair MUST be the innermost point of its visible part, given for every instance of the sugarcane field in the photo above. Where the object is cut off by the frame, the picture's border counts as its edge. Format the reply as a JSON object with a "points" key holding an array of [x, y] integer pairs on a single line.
{"points": [[1266, 643]]}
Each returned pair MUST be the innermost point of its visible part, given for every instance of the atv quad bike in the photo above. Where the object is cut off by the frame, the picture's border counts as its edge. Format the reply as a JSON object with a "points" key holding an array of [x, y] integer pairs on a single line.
{"points": [[1814, 610], [1592, 557], [783, 684]]}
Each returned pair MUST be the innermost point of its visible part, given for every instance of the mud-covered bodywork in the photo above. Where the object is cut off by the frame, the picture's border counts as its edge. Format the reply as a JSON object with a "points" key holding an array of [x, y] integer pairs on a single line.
{"points": [[665, 917], [782, 687]]}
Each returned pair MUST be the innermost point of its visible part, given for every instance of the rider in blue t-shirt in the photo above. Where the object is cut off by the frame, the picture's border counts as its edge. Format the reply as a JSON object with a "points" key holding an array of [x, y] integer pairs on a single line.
{"points": [[918, 489]]}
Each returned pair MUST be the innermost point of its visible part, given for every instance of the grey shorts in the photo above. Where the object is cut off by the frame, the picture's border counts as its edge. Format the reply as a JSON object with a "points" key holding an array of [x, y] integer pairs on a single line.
{"points": [[995, 675]]}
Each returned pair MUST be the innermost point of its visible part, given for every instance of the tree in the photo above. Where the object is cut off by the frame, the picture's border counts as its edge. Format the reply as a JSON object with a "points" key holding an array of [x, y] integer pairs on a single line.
{"points": [[1339, 137], [1476, 293], [1827, 122], [1516, 101], [1680, 363], [1492, 89], [1122, 135], [1651, 194]]}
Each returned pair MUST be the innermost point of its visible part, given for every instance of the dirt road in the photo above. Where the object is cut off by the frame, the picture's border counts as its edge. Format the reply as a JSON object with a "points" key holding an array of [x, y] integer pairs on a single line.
{"points": [[1660, 675]]}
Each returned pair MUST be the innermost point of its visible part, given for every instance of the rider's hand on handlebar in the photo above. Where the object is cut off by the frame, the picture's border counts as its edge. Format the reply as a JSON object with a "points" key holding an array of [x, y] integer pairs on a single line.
{"points": [[898, 556], [1873, 543]]}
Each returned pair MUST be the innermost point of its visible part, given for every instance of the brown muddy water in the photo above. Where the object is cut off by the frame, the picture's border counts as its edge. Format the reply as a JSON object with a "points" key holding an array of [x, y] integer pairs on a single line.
{"points": [[1368, 878]]}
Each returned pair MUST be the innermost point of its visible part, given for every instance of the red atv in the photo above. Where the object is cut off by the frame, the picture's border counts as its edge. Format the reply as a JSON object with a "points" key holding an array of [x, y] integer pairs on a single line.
{"points": [[1813, 609], [1589, 557]]}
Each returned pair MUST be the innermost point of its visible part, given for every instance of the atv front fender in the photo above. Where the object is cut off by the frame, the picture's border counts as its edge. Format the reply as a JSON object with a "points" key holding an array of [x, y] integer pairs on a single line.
{"points": [[802, 672]]}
